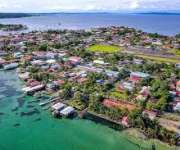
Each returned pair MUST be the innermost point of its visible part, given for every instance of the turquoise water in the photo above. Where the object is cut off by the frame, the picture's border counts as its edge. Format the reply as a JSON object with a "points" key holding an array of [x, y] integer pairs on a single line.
{"points": [[25, 126]]}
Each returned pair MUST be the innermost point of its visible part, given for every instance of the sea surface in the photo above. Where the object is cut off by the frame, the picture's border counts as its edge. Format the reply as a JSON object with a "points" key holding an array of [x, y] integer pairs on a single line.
{"points": [[24, 125], [155, 23]]}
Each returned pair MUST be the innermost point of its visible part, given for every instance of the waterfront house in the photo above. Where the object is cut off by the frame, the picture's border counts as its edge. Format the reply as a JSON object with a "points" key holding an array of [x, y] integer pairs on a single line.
{"points": [[31, 90], [24, 76], [32, 83], [10, 66], [67, 111], [125, 121], [58, 106], [2, 62]]}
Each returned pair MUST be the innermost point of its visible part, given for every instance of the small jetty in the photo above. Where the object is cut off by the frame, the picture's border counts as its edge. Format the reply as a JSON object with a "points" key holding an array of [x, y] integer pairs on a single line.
{"points": [[49, 101]]}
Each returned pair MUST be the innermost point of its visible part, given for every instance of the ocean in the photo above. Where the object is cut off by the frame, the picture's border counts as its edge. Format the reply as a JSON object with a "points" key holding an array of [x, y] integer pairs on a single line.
{"points": [[26, 126], [161, 23]]}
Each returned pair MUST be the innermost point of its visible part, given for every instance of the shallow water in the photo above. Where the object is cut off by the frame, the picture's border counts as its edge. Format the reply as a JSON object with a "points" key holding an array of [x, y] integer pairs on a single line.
{"points": [[25, 126]]}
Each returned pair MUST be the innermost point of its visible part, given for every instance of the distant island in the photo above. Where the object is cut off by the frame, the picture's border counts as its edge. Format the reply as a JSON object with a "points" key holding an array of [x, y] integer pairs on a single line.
{"points": [[160, 13], [12, 27], [14, 15]]}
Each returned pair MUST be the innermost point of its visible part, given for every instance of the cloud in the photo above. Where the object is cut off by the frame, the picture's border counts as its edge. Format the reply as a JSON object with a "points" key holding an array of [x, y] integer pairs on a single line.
{"points": [[86, 5]]}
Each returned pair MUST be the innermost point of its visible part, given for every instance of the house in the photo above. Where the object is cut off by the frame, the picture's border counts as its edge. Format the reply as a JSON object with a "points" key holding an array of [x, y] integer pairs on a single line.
{"points": [[141, 98], [100, 81], [177, 66], [67, 111], [100, 62], [138, 61], [55, 66], [59, 82], [10, 66], [31, 90], [2, 62], [39, 55], [145, 91], [137, 76], [51, 86], [118, 104], [129, 86], [24, 76], [125, 121], [2, 53], [177, 107], [112, 74], [151, 114], [38, 62], [58, 106], [75, 60], [51, 61], [50, 55], [33, 83], [178, 88], [17, 55]]}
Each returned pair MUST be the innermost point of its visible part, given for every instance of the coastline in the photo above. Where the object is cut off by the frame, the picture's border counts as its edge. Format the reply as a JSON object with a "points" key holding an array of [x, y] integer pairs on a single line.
{"points": [[35, 81]]}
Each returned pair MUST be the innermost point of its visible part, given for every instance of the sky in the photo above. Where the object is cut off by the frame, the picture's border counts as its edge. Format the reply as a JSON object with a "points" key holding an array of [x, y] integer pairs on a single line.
{"points": [[88, 5]]}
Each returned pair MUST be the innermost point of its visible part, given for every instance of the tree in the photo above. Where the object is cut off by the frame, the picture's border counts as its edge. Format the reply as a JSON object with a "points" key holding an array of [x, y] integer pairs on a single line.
{"points": [[43, 47]]}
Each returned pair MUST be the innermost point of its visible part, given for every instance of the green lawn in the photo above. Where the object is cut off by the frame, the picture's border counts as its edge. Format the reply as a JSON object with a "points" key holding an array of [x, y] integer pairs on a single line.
{"points": [[176, 52], [104, 48], [119, 95], [159, 59]]}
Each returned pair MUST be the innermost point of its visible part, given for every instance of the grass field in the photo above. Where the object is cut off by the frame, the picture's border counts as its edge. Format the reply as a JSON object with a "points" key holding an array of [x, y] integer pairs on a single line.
{"points": [[104, 48], [159, 59], [119, 95], [176, 52]]}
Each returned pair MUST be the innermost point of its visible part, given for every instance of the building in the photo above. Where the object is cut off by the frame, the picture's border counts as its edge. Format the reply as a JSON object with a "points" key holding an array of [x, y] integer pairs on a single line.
{"points": [[10, 66], [24, 76], [151, 114], [75, 60], [125, 121], [67, 111], [137, 76], [58, 106], [31, 90], [129, 86]]}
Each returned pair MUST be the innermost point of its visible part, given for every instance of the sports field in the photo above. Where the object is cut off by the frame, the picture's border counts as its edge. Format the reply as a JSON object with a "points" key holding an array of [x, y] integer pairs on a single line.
{"points": [[104, 48]]}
